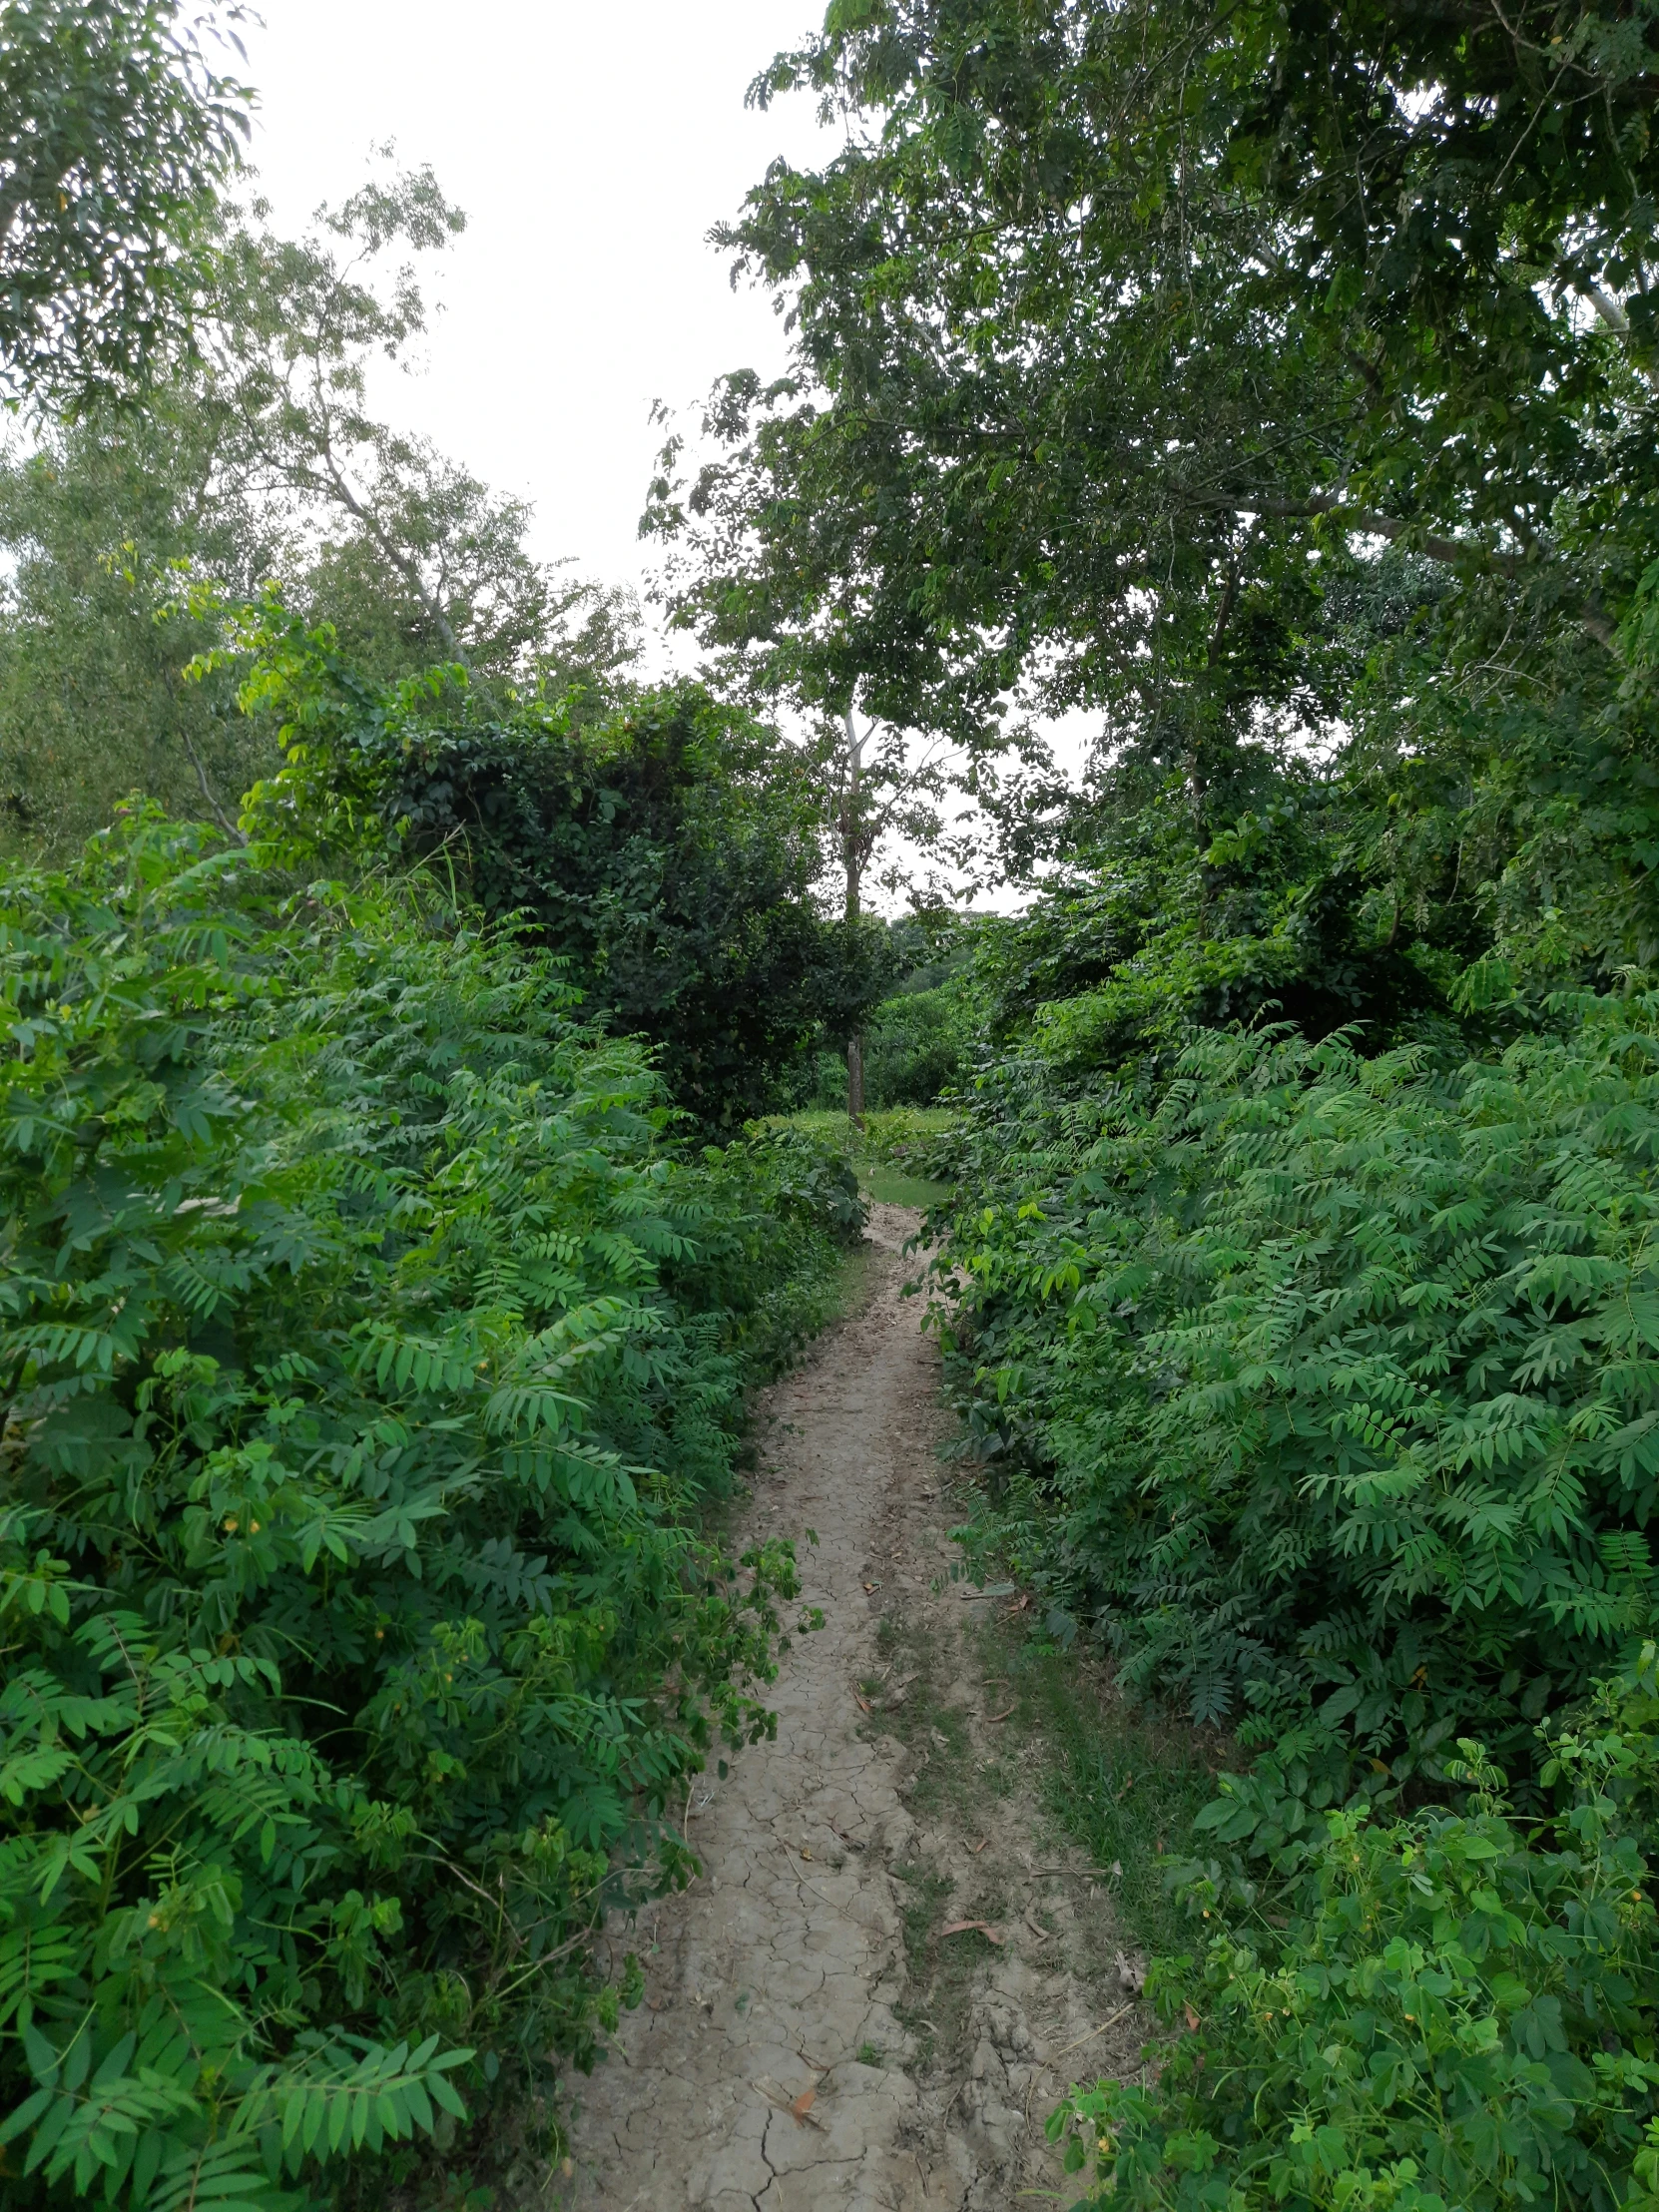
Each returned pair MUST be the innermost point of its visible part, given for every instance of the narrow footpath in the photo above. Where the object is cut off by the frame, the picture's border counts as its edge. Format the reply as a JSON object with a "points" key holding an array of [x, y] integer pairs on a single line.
{"points": [[889, 1971]]}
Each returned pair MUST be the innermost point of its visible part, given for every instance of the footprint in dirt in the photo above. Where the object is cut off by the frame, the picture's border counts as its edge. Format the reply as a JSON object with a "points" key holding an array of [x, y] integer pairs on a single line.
{"points": [[881, 1985]]}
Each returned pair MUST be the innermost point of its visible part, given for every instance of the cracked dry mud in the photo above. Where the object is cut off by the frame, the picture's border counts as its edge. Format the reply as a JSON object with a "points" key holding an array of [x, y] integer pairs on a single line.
{"points": [[810, 2036]]}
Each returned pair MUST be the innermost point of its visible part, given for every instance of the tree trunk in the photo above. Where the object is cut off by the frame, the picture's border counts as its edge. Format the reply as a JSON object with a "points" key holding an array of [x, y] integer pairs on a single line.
{"points": [[853, 862]]}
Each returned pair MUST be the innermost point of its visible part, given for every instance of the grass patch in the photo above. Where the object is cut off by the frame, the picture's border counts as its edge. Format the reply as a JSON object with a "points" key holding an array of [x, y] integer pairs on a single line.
{"points": [[1124, 1785], [878, 1150], [891, 1187], [941, 1970], [853, 1284], [908, 1701]]}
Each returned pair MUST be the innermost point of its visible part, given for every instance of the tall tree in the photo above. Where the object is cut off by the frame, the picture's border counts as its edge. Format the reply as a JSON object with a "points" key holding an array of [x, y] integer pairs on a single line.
{"points": [[1113, 325], [262, 457], [295, 329], [877, 780], [116, 132]]}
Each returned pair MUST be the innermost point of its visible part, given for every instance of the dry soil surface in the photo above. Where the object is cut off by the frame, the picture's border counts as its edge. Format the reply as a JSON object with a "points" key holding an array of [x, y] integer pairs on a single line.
{"points": [[819, 2034]]}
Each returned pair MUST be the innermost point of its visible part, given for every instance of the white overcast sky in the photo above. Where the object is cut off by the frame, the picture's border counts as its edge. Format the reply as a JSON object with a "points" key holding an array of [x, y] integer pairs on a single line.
{"points": [[592, 147]]}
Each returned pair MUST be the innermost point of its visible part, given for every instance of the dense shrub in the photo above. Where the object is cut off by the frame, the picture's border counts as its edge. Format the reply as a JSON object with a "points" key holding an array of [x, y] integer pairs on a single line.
{"points": [[915, 1046], [1451, 2012], [364, 1351], [1326, 1386], [1157, 926], [663, 844]]}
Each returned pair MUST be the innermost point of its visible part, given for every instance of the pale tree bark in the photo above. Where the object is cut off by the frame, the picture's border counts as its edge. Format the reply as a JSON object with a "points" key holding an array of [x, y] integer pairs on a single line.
{"points": [[853, 862], [1612, 313]]}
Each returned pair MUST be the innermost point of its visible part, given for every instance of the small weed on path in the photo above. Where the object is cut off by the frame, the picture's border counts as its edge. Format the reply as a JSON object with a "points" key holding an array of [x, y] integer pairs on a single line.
{"points": [[907, 1700], [892, 1187]]}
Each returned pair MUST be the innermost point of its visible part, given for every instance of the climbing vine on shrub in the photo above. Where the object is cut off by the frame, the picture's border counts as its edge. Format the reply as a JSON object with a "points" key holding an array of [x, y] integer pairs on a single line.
{"points": [[1450, 2011]]}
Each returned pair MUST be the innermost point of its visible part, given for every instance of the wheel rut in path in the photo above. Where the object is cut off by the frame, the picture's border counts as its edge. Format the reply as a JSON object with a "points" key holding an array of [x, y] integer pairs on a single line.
{"points": [[811, 2039]]}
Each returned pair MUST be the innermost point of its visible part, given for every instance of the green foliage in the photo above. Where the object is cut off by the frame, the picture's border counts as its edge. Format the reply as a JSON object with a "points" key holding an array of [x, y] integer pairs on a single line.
{"points": [[1451, 2012], [1158, 926], [1326, 1385], [665, 850], [918, 1041], [258, 456], [1112, 322], [116, 133], [364, 1356], [914, 1046], [93, 697]]}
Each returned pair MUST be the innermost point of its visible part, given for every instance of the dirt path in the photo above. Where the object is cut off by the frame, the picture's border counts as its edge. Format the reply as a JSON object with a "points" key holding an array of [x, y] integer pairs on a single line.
{"points": [[813, 2038]]}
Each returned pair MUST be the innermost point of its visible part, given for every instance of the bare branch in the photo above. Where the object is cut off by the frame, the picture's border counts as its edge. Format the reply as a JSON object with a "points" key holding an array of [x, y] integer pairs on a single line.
{"points": [[233, 830]]}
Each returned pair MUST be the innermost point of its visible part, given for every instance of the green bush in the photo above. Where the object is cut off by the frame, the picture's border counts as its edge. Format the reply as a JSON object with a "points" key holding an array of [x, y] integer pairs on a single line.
{"points": [[1327, 1387], [365, 1353], [663, 846], [915, 1046], [1453, 2012]]}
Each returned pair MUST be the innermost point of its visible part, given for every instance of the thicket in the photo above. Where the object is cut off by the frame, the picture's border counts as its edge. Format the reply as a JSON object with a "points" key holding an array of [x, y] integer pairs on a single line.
{"points": [[659, 843], [1324, 1385], [1310, 1371], [917, 1038], [1451, 2009], [368, 1346], [1281, 386]]}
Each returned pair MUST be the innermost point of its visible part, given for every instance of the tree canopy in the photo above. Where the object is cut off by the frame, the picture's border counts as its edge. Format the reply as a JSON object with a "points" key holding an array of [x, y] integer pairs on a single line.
{"points": [[1113, 324], [118, 127]]}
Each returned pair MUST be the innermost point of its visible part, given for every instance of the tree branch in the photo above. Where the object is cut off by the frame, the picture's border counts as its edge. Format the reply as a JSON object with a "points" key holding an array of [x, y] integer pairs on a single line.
{"points": [[230, 828], [1613, 315], [1455, 552]]}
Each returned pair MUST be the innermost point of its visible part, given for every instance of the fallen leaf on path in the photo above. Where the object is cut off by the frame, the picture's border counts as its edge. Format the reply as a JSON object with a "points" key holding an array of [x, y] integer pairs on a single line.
{"points": [[804, 1853], [995, 1717], [863, 1701], [982, 1928], [1192, 2020], [800, 2108]]}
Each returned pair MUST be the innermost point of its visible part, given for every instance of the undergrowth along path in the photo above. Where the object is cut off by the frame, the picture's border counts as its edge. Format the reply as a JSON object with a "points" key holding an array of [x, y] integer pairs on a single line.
{"points": [[887, 1974]]}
